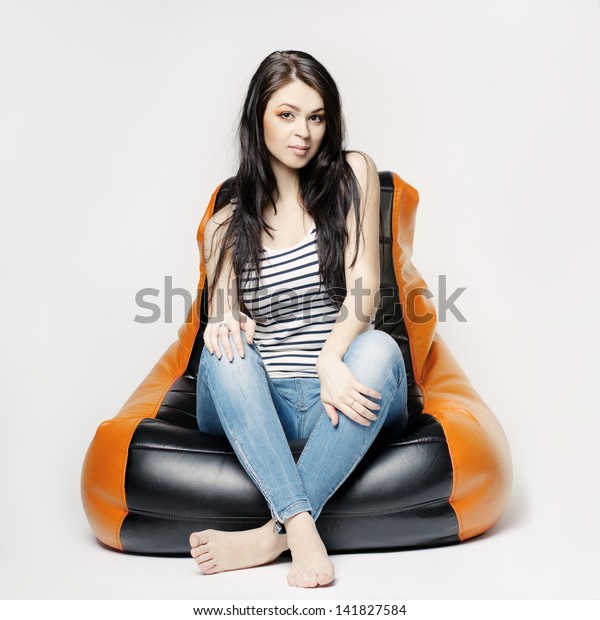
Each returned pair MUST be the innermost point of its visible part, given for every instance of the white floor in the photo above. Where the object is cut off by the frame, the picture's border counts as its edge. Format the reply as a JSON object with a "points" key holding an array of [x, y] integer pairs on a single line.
{"points": [[523, 557]]}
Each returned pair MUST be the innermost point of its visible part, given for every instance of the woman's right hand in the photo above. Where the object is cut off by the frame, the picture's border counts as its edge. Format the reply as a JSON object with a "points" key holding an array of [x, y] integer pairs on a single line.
{"points": [[218, 331]]}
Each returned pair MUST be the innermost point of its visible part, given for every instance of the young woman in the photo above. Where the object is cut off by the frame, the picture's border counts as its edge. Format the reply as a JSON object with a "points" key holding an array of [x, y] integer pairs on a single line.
{"points": [[293, 262]]}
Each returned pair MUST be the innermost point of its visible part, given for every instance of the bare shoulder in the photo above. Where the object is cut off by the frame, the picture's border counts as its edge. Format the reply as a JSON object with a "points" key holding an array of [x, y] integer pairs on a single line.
{"points": [[364, 168], [215, 229], [358, 159], [221, 216], [218, 221]]}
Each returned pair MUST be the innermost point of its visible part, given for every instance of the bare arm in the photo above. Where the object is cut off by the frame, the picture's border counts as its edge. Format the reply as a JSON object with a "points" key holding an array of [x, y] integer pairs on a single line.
{"points": [[362, 280], [224, 297], [338, 385], [224, 307]]}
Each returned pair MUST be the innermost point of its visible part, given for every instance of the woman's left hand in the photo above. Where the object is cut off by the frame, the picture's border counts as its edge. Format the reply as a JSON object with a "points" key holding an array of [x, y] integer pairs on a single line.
{"points": [[342, 391]]}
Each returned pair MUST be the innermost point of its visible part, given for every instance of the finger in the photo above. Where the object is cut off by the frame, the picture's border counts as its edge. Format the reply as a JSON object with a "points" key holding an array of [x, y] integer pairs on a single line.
{"points": [[365, 402], [250, 330], [237, 338], [225, 341], [364, 405], [331, 412], [207, 343], [354, 415], [248, 325], [209, 338], [214, 341], [361, 387], [335, 416], [327, 410], [363, 411]]}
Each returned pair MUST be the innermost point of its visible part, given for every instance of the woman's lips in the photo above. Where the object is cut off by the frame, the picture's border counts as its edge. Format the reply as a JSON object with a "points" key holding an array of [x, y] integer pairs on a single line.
{"points": [[299, 150]]}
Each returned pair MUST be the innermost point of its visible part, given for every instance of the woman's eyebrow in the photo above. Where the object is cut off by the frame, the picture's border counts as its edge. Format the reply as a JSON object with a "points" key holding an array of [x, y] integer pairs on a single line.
{"points": [[298, 109]]}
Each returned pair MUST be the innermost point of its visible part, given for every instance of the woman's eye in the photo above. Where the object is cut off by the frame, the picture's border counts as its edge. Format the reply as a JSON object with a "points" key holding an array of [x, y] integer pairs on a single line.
{"points": [[319, 117]]}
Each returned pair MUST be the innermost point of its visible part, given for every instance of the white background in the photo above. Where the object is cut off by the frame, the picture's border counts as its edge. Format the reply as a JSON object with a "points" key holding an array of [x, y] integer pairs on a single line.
{"points": [[117, 122]]}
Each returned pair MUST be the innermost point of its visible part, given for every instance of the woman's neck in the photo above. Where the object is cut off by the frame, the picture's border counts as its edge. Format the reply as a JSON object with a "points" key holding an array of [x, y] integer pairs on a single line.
{"points": [[288, 187]]}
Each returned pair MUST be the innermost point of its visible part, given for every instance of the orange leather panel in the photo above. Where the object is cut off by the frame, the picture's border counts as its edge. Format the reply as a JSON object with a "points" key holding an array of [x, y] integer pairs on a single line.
{"points": [[103, 476], [103, 479], [481, 461]]}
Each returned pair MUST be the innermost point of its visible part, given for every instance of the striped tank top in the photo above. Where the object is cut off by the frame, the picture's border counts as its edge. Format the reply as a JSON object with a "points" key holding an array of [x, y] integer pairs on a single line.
{"points": [[294, 315]]}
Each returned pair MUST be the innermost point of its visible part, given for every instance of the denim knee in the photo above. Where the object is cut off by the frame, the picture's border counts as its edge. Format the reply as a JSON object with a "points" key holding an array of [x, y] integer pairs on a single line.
{"points": [[238, 365], [376, 351]]}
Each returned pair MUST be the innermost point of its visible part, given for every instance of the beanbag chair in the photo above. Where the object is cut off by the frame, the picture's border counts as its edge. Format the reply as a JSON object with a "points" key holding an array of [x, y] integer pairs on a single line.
{"points": [[150, 478]]}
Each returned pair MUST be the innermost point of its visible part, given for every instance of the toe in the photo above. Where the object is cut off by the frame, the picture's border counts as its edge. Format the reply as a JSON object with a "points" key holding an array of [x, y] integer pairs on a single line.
{"points": [[298, 578], [198, 538], [204, 558], [324, 578], [196, 552], [210, 569]]}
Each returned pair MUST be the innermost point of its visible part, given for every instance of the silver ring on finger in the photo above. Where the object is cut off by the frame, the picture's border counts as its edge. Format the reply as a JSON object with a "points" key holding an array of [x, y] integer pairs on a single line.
{"points": [[223, 324], [352, 404]]}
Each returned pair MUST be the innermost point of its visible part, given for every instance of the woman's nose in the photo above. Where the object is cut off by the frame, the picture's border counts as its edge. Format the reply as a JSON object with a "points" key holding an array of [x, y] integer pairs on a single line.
{"points": [[302, 129]]}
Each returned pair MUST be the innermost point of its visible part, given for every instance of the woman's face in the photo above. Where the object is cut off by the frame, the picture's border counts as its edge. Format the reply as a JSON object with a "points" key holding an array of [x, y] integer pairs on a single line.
{"points": [[294, 117]]}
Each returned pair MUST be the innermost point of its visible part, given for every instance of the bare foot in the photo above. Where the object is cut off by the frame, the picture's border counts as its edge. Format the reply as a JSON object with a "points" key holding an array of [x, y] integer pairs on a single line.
{"points": [[216, 551], [311, 566]]}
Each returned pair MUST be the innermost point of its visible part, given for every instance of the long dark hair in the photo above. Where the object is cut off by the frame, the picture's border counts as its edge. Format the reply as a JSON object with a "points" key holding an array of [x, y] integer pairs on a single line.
{"points": [[328, 185]]}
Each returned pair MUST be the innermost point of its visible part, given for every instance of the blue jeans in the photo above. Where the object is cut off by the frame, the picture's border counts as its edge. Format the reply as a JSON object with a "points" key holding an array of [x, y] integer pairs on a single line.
{"points": [[258, 414]]}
